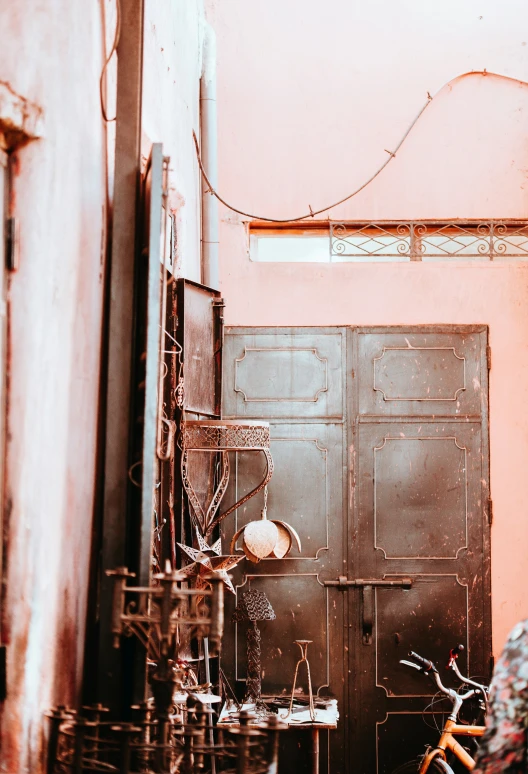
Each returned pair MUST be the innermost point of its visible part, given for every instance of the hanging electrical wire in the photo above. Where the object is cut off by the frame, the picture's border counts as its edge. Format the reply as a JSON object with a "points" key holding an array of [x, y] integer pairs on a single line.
{"points": [[107, 62], [392, 155]]}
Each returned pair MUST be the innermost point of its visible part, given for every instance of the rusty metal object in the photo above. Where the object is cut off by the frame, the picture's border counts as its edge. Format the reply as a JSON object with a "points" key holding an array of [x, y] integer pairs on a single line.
{"points": [[344, 472], [266, 538], [154, 613], [79, 745], [254, 606], [221, 436], [121, 327], [206, 560], [303, 645]]}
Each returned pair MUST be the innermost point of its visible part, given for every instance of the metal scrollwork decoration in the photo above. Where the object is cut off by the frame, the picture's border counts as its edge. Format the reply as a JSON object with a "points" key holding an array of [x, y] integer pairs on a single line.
{"points": [[221, 437], [253, 606]]}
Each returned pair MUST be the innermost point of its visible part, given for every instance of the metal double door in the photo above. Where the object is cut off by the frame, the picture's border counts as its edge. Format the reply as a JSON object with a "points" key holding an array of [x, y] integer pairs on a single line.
{"points": [[380, 444]]}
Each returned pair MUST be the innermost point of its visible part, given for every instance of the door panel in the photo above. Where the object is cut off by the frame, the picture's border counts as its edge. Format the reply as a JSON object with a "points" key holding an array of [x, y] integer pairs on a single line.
{"points": [[295, 380], [420, 499], [396, 737], [424, 618], [305, 489], [418, 487], [301, 607], [413, 372], [284, 373]]}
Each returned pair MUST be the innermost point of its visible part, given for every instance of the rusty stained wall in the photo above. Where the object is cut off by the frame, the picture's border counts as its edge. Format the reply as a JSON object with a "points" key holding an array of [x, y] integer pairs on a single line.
{"points": [[308, 104], [52, 54]]}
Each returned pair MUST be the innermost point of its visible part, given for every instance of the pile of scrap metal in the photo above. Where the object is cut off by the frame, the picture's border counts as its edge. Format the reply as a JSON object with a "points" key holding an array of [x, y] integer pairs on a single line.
{"points": [[173, 731]]}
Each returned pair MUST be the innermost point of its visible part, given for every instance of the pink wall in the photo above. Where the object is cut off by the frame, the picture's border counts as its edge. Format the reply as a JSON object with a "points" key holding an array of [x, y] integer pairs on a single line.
{"points": [[307, 104], [172, 67], [52, 54]]}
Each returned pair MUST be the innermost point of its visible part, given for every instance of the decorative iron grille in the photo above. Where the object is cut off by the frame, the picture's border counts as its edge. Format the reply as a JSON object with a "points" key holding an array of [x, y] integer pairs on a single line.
{"points": [[429, 241], [225, 434]]}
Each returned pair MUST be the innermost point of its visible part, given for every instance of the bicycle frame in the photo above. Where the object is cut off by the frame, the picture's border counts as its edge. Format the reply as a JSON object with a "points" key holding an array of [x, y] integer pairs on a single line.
{"points": [[451, 727], [448, 742]]}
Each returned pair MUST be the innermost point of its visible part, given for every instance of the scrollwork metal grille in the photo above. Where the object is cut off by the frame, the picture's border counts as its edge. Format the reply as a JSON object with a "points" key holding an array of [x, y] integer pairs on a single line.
{"points": [[218, 435], [429, 241]]}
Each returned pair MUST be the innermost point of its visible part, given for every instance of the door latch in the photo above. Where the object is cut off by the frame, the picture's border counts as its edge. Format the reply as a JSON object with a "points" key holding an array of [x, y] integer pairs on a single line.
{"points": [[218, 306], [367, 586]]}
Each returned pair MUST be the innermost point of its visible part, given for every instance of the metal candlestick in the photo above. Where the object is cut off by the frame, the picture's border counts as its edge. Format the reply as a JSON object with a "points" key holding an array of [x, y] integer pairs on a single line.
{"points": [[303, 645], [154, 613], [78, 745]]}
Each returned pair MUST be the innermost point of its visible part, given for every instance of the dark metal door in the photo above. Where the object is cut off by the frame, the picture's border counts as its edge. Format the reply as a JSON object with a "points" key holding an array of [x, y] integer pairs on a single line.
{"points": [[295, 379], [420, 506], [397, 419]]}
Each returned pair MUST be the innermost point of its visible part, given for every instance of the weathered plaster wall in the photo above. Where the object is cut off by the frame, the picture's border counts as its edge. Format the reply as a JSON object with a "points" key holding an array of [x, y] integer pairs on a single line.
{"points": [[52, 54], [172, 68], [308, 103]]}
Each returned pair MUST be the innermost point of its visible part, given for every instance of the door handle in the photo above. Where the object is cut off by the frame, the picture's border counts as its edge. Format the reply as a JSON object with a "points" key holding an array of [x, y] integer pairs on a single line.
{"points": [[367, 597]]}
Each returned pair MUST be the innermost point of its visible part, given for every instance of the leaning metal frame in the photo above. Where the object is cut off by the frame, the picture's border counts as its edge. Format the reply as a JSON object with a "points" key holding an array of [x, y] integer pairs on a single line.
{"points": [[222, 436]]}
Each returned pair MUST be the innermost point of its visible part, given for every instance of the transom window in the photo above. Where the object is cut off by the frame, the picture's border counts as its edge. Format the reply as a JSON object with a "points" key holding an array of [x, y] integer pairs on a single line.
{"points": [[390, 241]]}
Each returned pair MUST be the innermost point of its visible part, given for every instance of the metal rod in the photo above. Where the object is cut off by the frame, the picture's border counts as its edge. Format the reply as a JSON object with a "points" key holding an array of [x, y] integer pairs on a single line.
{"points": [[120, 332], [210, 715], [81, 727], [208, 136], [153, 302], [405, 583], [56, 717]]}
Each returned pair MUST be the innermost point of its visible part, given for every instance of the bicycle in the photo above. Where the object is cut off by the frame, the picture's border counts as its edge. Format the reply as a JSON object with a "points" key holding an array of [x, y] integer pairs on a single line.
{"points": [[434, 760]]}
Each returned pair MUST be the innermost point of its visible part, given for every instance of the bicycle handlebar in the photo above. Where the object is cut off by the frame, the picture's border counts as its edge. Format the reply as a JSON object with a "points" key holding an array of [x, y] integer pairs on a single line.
{"points": [[427, 665], [452, 664], [457, 699], [454, 654]]}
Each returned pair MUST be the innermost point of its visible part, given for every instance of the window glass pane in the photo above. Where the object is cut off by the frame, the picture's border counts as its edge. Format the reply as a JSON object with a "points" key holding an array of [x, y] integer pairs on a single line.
{"points": [[290, 249], [426, 241]]}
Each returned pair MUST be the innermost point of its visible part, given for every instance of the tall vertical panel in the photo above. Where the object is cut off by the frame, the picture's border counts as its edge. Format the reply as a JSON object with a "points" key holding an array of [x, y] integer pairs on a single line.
{"points": [[420, 494], [295, 379]]}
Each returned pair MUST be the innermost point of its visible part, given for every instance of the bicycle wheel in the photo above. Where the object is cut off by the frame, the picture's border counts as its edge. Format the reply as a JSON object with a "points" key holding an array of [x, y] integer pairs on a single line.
{"points": [[437, 766]]}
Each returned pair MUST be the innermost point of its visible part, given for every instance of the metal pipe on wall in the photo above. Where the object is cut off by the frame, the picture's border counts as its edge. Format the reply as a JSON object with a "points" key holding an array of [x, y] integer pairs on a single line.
{"points": [[209, 151]]}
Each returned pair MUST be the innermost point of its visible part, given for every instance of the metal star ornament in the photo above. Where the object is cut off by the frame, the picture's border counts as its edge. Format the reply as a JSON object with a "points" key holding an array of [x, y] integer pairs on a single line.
{"points": [[208, 559]]}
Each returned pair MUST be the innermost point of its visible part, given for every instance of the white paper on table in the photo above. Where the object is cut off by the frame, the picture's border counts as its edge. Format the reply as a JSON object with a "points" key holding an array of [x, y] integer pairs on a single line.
{"points": [[329, 716], [225, 715]]}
